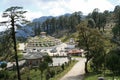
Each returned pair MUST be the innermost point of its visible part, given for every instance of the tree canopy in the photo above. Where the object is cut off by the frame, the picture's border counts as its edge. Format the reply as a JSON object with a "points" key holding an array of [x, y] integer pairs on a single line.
{"points": [[91, 40], [15, 18]]}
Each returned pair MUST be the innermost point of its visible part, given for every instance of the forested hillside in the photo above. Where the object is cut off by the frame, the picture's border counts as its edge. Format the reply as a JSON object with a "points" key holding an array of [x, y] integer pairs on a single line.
{"points": [[53, 25], [66, 24], [107, 21]]}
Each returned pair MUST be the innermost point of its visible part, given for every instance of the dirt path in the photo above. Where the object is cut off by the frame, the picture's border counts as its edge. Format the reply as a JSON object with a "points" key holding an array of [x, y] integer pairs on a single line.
{"points": [[77, 72]]}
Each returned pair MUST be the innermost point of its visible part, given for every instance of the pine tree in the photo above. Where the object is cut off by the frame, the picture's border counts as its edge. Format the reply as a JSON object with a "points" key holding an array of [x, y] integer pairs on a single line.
{"points": [[15, 14]]}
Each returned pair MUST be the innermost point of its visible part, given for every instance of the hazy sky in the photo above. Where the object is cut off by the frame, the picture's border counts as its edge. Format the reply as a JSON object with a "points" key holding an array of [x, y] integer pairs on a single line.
{"points": [[37, 8]]}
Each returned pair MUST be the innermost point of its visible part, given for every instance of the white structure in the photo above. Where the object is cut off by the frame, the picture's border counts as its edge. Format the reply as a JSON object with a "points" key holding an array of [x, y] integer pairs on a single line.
{"points": [[41, 44], [21, 46]]}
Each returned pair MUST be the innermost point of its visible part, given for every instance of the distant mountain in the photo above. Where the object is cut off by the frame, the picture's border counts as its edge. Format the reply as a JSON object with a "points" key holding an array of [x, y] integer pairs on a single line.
{"points": [[67, 14], [42, 19], [25, 31], [1, 33], [28, 30]]}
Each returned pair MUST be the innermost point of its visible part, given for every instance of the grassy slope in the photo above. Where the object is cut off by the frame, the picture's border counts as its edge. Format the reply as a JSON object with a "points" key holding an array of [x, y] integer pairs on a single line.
{"points": [[67, 37], [34, 74], [57, 77], [94, 76]]}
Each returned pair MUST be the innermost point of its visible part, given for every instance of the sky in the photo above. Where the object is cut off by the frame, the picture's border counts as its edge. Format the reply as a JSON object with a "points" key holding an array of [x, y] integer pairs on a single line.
{"points": [[38, 8]]}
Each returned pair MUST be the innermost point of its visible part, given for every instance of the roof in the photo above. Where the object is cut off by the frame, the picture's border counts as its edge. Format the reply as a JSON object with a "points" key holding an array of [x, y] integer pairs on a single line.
{"points": [[34, 55], [43, 33], [75, 51]]}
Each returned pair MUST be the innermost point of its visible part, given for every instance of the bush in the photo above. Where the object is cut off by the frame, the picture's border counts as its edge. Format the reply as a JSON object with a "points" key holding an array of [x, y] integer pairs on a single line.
{"points": [[54, 70], [3, 65], [52, 73], [63, 66], [3, 74], [113, 61]]}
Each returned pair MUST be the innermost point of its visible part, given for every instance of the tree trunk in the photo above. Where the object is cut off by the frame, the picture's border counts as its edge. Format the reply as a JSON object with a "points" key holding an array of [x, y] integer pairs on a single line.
{"points": [[113, 75], [87, 57], [15, 47], [41, 75], [103, 29], [86, 69]]}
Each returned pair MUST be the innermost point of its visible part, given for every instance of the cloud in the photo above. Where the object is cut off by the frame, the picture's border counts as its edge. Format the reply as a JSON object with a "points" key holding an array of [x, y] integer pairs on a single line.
{"points": [[37, 8], [115, 2], [70, 5], [57, 7], [87, 6], [2, 28], [31, 15]]}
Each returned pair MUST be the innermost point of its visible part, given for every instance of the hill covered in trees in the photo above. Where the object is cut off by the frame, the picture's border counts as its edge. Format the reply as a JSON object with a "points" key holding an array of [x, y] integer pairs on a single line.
{"points": [[66, 24]]}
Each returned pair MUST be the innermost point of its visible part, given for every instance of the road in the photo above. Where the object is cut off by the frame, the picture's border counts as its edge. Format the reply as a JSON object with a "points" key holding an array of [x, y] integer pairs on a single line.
{"points": [[77, 72]]}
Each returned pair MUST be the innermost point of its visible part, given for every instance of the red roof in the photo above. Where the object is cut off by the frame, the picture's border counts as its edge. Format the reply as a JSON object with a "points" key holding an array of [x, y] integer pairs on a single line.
{"points": [[74, 51]]}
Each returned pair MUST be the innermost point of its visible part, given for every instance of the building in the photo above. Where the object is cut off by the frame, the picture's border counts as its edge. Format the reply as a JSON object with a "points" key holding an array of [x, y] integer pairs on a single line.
{"points": [[76, 52], [34, 58], [41, 42], [36, 47]]}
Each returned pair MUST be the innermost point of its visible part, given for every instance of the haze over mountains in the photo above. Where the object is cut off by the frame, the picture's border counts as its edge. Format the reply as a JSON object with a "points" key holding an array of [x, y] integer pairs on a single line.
{"points": [[26, 31]]}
